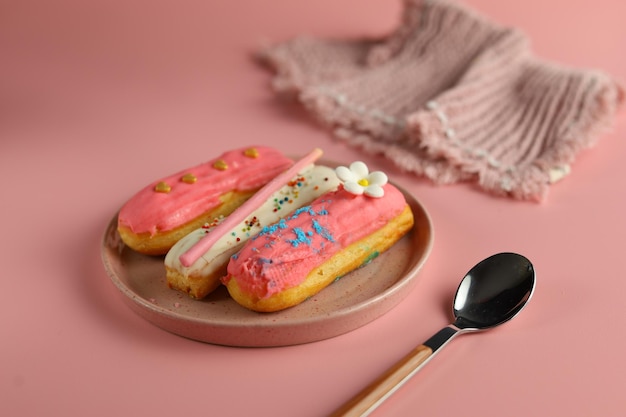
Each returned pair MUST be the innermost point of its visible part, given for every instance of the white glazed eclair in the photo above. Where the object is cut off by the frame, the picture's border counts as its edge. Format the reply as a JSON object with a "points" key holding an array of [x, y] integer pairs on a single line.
{"points": [[203, 276]]}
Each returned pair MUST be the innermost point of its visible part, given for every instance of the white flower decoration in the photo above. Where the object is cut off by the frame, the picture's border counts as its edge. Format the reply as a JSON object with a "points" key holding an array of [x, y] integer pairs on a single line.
{"points": [[358, 180]]}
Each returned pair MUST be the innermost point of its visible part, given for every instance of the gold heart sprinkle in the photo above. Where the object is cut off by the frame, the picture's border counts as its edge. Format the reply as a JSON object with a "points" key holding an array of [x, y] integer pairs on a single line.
{"points": [[189, 178], [162, 187], [221, 165], [251, 153]]}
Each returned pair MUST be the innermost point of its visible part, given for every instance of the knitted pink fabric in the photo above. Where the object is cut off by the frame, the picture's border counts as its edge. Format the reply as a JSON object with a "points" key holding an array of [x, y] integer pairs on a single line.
{"points": [[451, 96]]}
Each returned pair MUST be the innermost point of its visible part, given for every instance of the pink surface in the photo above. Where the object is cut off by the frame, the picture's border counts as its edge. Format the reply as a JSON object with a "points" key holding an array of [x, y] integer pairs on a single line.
{"points": [[99, 98]]}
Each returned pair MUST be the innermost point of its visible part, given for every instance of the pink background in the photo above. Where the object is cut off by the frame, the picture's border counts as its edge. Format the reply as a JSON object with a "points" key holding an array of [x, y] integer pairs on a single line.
{"points": [[98, 98]]}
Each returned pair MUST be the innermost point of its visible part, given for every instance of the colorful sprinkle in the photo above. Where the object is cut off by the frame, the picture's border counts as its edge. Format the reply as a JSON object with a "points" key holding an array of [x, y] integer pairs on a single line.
{"points": [[301, 237], [371, 257], [322, 231]]}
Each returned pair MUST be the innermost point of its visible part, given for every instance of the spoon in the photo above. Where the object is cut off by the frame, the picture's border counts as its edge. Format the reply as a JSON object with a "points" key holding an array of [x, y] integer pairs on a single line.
{"points": [[491, 293]]}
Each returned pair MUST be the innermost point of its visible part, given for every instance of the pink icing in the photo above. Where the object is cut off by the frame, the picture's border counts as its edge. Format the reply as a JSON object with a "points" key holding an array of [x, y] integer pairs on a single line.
{"points": [[282, 255], [239, 215], [151, 211]]}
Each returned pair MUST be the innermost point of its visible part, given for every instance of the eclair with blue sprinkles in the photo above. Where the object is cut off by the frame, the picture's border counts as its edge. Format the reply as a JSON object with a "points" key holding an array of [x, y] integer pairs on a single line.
{"points": [[318, 243]]}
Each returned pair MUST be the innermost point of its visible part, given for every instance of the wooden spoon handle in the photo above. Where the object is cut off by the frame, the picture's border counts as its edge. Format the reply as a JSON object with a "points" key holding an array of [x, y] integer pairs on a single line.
{"points": [[385, 385]]}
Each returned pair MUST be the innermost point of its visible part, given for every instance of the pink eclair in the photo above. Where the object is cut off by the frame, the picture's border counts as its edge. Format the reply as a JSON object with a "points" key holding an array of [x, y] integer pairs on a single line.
{"points": [[159, 215], [300, 255]]}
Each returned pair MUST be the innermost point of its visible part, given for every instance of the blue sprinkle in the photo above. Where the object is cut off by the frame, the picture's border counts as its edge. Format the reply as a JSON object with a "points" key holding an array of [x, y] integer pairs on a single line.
{"points": [[270, 230], [304, 209], [320, 230], [267, 230], [300, 238]]}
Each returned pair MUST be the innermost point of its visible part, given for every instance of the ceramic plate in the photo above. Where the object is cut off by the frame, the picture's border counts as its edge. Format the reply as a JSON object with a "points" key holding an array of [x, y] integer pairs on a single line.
{"points": [[347, 304]]}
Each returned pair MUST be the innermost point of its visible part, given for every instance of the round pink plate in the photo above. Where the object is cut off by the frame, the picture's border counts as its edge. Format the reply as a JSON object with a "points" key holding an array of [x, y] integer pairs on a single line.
{"points": [[347, 304]]}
